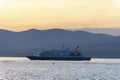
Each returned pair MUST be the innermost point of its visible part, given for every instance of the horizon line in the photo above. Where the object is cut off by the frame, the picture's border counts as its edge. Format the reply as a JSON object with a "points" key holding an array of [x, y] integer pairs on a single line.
{"points": [[70, 29]]}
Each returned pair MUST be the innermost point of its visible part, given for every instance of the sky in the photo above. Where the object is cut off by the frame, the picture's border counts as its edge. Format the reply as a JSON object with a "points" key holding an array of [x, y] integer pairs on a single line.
{"points": [[18, 15]]}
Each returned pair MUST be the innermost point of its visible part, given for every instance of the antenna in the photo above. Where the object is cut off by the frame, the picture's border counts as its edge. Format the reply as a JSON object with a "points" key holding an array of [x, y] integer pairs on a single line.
{"points": [[63, 46]]}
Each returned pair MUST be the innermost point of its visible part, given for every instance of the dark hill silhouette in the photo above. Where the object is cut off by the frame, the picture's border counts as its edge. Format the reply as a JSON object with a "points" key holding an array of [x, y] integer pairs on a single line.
{"points": [[27, 42]]}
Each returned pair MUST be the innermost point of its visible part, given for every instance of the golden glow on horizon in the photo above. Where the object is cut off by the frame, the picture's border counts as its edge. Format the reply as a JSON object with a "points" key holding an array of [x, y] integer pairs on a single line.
{"points": [[43, 14], [118, 1], [2, 3]]}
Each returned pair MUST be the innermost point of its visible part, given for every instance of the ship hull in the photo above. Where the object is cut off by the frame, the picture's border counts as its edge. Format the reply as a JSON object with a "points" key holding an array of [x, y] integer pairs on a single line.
{"points": [[60, 58]]}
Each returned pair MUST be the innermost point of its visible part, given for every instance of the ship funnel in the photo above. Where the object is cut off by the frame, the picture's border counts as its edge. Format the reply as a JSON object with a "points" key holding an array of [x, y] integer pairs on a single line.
{"points": [[77, 49]]}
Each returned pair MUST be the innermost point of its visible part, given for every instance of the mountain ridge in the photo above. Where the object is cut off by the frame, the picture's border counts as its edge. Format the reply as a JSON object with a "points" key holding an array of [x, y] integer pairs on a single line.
{"points": [[27, 42]]}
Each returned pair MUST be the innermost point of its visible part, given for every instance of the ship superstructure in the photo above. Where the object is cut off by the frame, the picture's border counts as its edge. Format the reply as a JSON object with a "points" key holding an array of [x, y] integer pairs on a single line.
{"points": [[59, 54]]}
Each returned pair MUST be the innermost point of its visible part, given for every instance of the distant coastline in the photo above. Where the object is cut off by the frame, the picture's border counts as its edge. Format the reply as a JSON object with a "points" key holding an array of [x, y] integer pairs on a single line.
{"points": [[28, 42]]}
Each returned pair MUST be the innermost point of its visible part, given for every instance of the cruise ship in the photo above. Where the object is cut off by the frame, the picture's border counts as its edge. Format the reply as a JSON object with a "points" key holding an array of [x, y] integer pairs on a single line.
{"points": [[60, 54]]}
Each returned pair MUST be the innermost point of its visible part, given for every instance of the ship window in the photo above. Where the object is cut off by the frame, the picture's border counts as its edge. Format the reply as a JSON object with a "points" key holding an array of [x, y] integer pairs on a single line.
{"points": [[46, 53], [76, 53], [61, 53]]}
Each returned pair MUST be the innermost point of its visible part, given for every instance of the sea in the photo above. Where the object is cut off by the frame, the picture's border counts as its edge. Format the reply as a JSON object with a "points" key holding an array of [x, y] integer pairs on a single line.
{"points": [[21, 68]]}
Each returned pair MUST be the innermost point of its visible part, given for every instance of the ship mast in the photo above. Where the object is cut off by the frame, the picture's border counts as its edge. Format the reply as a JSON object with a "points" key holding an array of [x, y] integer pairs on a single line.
{"points": [[63, 46]]}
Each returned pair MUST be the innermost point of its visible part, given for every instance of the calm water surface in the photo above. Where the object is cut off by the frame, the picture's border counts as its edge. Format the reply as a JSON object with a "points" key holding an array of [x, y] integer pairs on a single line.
{"points": [[24, 69]]}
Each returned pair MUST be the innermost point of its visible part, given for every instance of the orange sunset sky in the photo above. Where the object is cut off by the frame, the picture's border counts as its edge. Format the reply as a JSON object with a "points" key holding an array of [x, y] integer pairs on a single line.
{"points": [[20, 15]]}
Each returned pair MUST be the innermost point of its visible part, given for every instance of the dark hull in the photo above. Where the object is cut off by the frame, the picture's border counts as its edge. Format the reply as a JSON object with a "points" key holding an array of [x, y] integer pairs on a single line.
{"points": [[60, 58]]}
